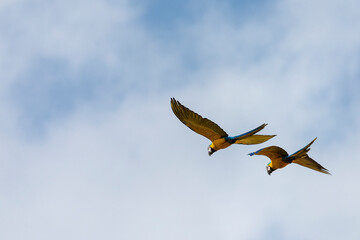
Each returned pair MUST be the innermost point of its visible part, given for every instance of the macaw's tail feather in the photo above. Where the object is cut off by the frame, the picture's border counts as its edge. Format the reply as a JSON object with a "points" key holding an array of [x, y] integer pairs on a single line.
{"points": [[300, 157], [254, 139], [308, 162]]}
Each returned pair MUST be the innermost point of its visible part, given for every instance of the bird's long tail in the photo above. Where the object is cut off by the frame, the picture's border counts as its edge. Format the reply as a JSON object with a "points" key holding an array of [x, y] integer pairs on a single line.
{"points": [[300, 157]]}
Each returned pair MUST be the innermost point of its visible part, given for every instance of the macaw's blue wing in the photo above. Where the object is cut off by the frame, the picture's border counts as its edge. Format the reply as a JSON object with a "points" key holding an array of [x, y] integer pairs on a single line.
{"points": [[249, 133], [302, 151], [195, 122], [250, 137], [301, 158], [272, 152]]}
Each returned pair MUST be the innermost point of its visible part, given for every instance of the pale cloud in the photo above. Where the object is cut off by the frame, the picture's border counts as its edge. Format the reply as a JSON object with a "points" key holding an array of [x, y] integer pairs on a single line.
{"points": [[77, 31], [62, 55]]}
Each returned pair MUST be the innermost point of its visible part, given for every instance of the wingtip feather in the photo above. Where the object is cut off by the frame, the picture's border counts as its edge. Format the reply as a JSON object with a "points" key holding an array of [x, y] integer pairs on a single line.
{"points": [[324, 170]]}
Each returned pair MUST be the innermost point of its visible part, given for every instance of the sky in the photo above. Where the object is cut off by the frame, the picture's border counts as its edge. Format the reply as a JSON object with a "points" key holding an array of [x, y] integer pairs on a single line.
{"points": [[90, 148]]}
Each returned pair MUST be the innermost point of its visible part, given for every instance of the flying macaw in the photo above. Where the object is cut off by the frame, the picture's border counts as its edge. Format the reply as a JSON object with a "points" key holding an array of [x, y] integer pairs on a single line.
{"points": [[218, 137], [280, 158]]}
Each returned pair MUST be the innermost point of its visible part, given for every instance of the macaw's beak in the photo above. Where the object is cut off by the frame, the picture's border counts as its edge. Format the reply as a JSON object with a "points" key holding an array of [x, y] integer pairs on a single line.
{"points": [[269, 170], [210, 151]]}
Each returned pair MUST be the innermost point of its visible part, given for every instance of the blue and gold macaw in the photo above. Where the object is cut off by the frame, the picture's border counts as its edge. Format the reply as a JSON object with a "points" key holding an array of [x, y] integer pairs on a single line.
{"points": [[218, 137], [280, 158]]}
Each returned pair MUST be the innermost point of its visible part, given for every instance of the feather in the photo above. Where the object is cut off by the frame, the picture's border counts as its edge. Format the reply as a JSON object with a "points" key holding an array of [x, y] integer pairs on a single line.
{"points": [[197, 123], [254, 139], [249, 133], [306, 161], [272, 152], [302, 151]]}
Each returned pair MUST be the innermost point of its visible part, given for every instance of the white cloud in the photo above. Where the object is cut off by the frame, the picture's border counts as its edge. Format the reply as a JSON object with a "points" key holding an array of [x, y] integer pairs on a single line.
{"points": [[76, 31]]}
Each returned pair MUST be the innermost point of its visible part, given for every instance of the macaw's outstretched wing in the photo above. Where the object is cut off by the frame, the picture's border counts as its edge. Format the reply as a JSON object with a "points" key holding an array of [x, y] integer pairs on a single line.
{"points": [[272, 152], [254, 139], [250, 137], [195, 122], [302, 152], [306, 161], [249, 133]]}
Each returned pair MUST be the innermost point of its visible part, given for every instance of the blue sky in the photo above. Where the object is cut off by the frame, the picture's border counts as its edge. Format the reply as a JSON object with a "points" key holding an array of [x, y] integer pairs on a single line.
{"points": [[90, 148]]}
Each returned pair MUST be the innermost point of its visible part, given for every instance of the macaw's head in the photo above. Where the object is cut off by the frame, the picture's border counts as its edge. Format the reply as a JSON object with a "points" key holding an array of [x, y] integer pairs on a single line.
{"points": [[210, 150], [269, 169]]}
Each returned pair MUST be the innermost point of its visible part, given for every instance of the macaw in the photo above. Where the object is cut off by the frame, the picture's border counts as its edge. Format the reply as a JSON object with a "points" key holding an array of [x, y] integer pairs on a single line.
{"points": [[218, 137], [280, 158]]}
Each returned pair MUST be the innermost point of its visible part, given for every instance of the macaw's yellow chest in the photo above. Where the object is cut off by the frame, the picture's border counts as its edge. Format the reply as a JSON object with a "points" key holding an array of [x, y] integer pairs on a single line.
{"points": [[278, 163], [220, 143]]}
